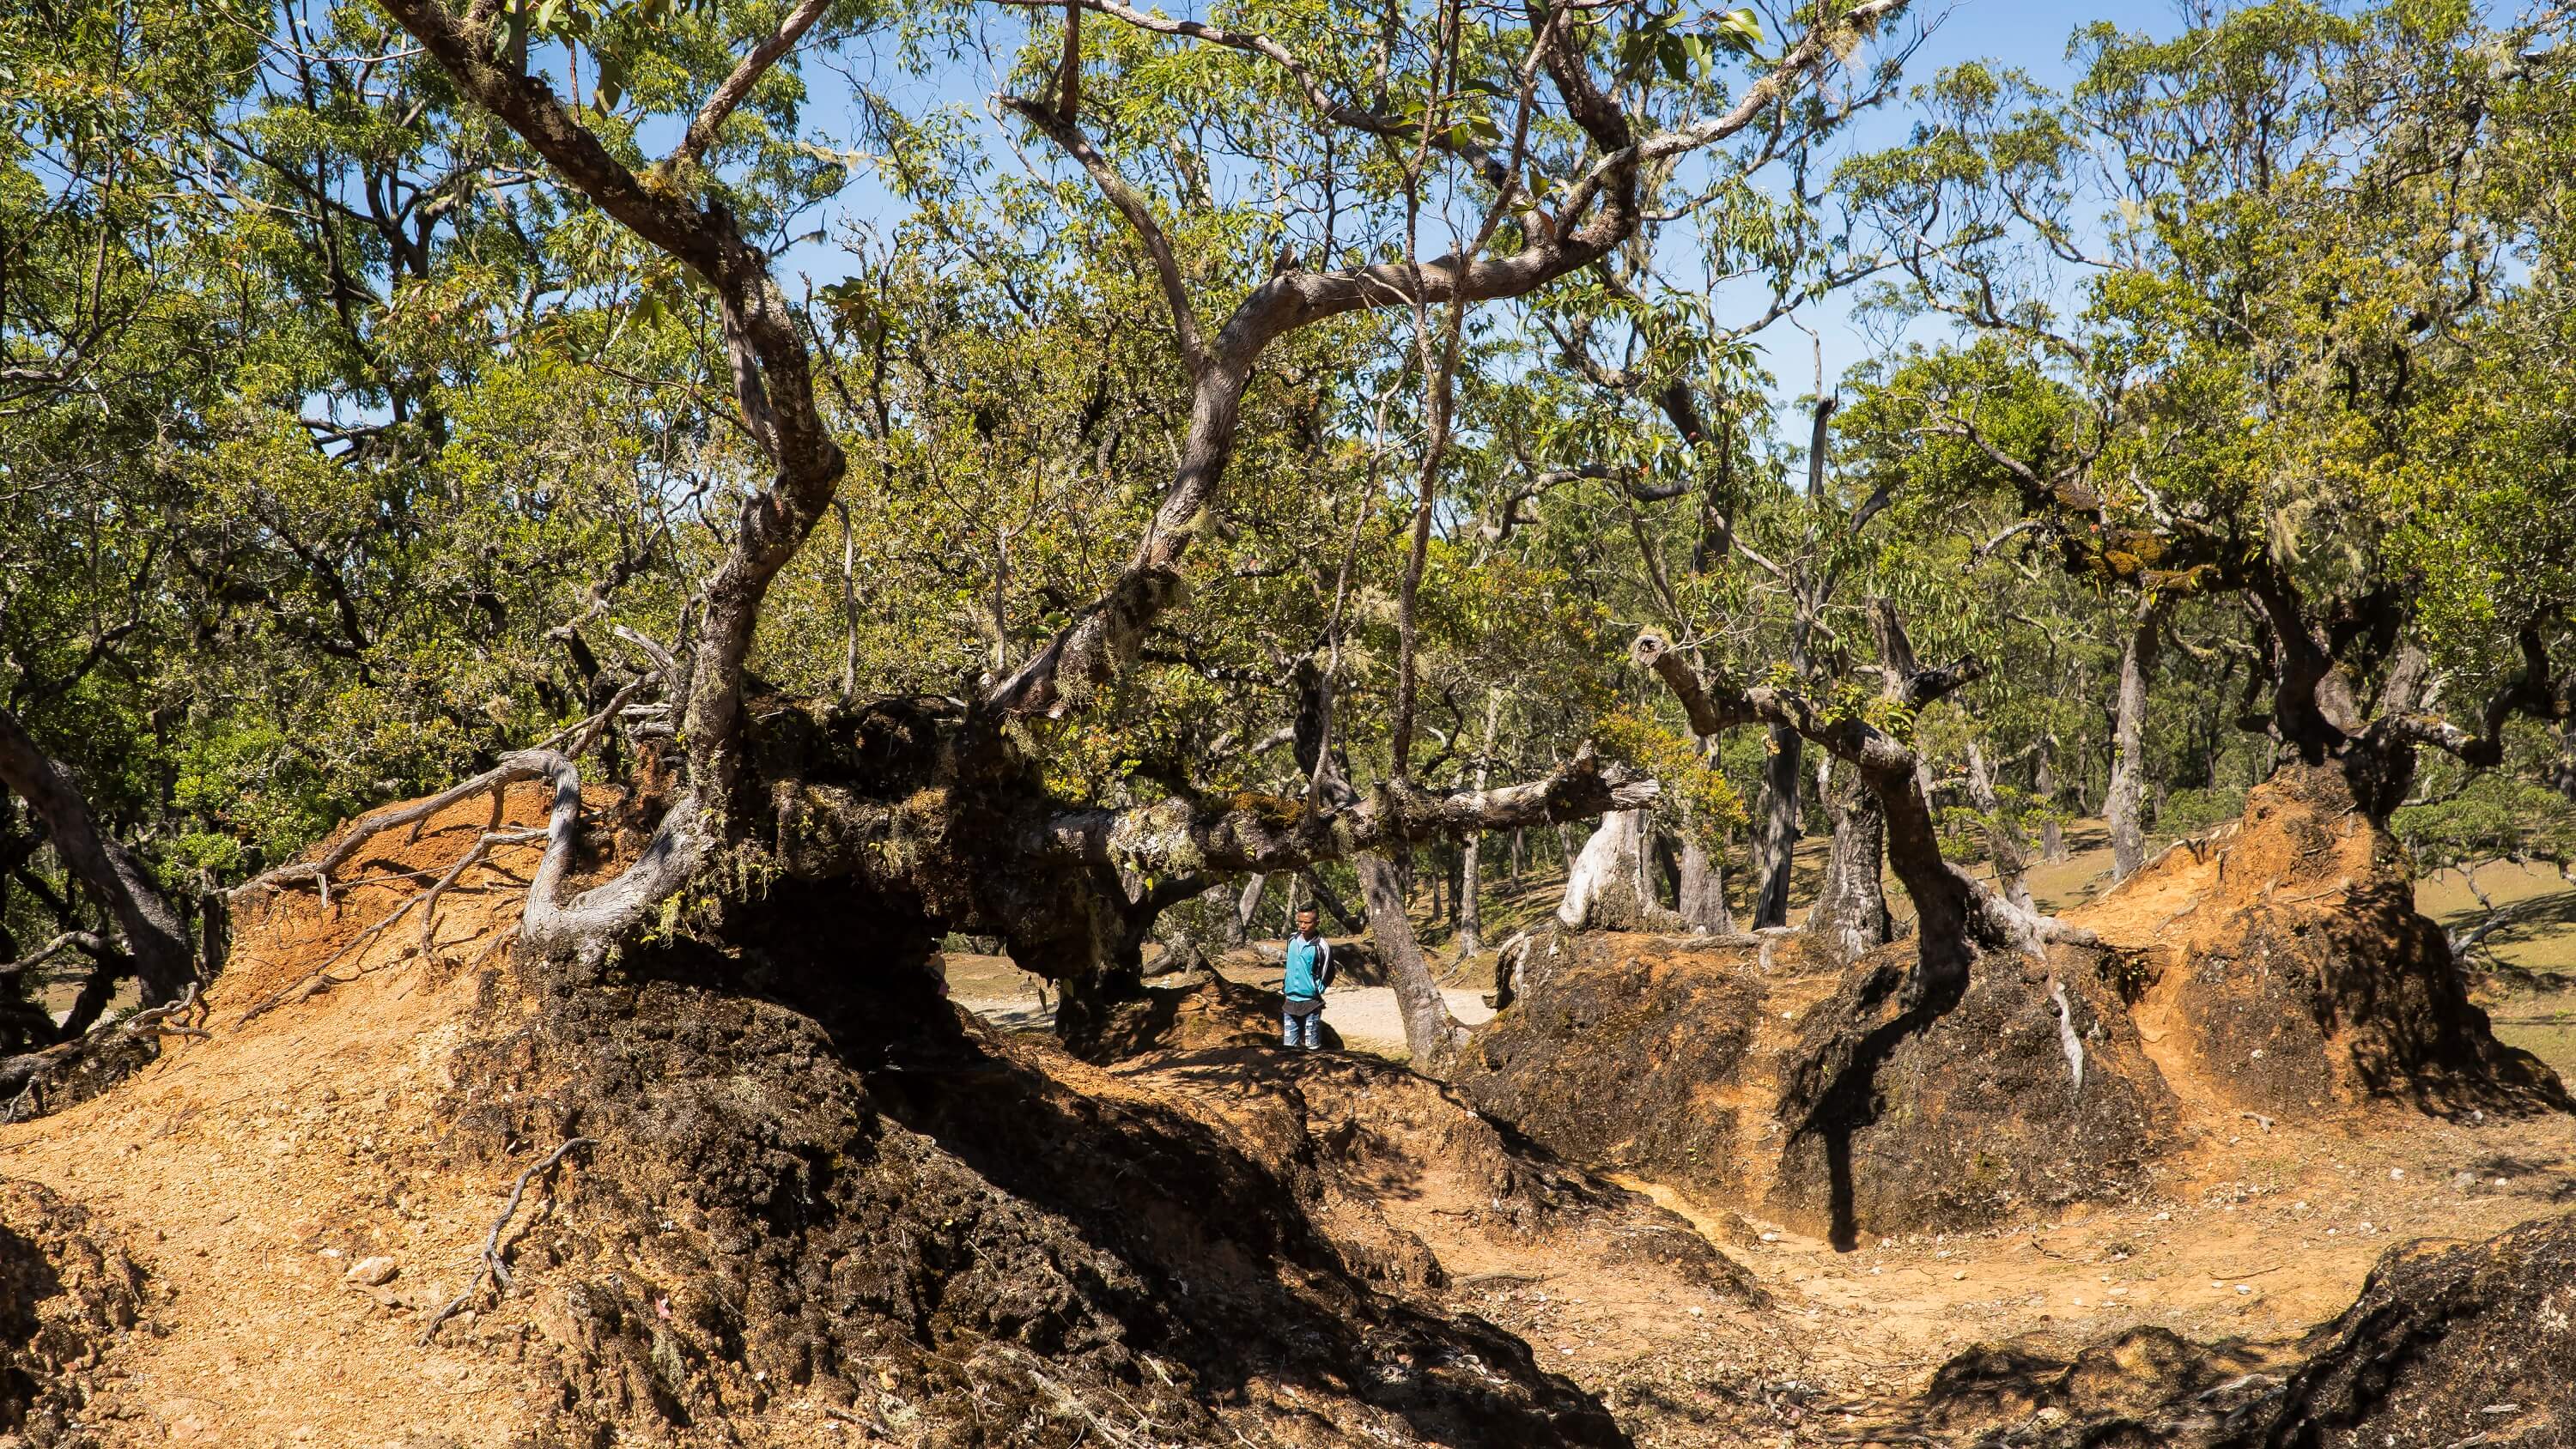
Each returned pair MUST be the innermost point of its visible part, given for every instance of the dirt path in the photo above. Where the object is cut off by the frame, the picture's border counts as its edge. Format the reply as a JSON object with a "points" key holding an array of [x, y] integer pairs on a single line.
{"points": [[2257, 1235], [2270, 1234], [1366, 1016], [251, 1173]]}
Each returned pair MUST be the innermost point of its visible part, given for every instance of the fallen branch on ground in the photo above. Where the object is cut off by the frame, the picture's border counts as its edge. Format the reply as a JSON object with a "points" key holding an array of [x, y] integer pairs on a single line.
{"points": [[493, 1268]]}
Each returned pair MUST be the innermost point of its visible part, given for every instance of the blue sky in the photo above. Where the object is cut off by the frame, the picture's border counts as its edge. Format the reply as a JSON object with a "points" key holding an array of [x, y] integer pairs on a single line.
{"points": [[2027, 34]]}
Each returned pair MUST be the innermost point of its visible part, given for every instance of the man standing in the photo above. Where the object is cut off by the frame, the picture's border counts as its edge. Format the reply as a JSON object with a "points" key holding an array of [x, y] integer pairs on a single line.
{"points": [[1310, 970]]}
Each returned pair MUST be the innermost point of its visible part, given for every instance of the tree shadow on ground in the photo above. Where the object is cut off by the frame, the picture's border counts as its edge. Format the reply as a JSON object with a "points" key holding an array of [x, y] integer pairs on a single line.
{"points": [[1012, 1226], [1834, 1093], [1248, 1285]]}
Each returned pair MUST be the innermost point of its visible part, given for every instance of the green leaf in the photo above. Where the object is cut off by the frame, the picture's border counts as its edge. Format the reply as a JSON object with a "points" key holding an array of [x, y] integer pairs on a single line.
{"points": [[1675, 57], [1741, 30]]}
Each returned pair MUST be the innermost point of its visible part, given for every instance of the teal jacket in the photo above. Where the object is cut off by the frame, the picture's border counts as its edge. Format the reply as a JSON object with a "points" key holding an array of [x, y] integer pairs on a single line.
{"points": [[1310, 968]]}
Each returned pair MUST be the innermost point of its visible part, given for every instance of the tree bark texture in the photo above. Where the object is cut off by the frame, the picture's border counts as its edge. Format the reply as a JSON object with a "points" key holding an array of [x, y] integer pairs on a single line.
{"points": [[2003, 840], [2052, 832], [1431, 1034], [116, 878], [1703, 905], [1471, 917], [1240, 929], [2124, 805], [1776, 847], [1610, 888], [1956, 915], [1850, 915]]}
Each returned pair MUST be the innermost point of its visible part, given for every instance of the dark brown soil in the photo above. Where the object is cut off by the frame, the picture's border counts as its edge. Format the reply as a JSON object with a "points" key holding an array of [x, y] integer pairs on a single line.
{"points": [[2447, 1346], [1643, 1054], [2278, 968], [64, 1294], [2471, 1344], [1973, 1112], [824, 1209], [85, 1068], [1817, 1096], [983, 1236], [2144, 1387]]}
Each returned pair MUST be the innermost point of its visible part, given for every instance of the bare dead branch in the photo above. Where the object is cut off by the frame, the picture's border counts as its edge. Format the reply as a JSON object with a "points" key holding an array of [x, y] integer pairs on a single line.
{"points": [[84, 940], [2002, 536]]}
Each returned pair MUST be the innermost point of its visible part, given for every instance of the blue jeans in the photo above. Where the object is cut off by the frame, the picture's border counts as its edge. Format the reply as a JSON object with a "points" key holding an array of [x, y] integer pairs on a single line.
{"points": [[1312, 1022]]}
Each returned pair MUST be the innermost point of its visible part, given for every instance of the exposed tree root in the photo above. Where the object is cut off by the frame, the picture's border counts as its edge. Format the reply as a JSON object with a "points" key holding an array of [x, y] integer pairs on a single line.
{"points": [[573, 740], [543, 918], [320, 979], [494, 1268]]}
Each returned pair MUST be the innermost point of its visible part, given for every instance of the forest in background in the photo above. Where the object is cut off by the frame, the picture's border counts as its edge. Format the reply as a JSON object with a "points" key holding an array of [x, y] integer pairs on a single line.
{"points": [[347, 449], [570, 569]]}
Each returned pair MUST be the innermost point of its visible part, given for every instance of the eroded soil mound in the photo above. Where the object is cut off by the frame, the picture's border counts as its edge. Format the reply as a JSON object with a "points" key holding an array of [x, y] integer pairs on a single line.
{"points": [[1814, 1094], [2029, 1092], [2447, 1345], [2474, 1344], [1645, 1054], [64, 1294], [2289, 972], [966, 1235], [797, 1199], [2143, 1387]]}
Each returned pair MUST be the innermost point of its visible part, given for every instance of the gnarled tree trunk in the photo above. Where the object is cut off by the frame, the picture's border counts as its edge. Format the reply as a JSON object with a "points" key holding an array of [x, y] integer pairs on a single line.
{"points": [[1703, 905], [2003, 842], [1850, 915], [1239, 929], [1432, 1035], [2125, 805], [1956, 915], [1610, 888], [1776, 841], [988, 848], [114, 876]]}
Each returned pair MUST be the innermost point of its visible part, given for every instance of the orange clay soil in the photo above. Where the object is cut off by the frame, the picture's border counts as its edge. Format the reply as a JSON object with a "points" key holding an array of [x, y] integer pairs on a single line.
{"points": [[2281, 967], [248, 1174]]}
